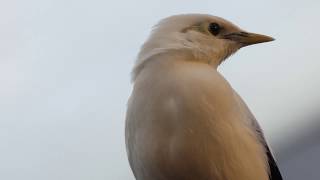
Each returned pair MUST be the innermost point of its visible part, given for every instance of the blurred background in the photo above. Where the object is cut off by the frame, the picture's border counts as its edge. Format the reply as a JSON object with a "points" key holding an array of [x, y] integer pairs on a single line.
{"points": [[65, 80]]}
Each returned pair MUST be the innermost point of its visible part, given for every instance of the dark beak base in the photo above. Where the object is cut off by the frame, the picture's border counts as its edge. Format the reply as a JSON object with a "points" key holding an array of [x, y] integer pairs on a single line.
{"points": [[246, 39]]}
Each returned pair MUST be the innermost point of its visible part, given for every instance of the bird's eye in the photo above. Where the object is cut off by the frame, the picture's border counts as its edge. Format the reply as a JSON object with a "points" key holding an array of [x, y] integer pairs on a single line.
{"points": [[214, 28]]}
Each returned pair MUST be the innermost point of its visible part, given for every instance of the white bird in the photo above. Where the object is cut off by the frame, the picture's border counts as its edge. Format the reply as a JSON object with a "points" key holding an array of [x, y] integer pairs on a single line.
{"points": [[184, 120]]}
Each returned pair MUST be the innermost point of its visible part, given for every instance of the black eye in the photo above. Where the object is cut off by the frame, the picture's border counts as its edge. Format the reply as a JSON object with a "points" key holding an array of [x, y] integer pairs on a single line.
{"points": [[214, 28]]}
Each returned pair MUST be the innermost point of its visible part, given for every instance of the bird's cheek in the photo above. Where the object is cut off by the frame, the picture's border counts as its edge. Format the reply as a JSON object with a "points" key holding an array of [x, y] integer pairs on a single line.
{"points": [[234, 46], [231, 49], [238, 46]]}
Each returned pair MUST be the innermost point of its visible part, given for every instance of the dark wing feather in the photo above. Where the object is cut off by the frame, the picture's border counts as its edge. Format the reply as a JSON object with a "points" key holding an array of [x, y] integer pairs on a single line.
{"points": [[274, 170]]}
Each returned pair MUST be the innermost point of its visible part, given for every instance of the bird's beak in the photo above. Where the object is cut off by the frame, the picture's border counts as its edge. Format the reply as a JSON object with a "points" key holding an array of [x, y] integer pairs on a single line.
{"points": [[246, 39]]}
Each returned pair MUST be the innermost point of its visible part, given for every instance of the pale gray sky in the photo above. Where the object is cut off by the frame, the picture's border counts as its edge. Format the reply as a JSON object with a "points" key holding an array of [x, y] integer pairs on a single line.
{"points": [[65, 77]]}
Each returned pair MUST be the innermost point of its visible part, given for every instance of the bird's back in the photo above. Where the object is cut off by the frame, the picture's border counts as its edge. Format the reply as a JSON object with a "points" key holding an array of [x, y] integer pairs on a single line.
{"points": [[184, 123]]}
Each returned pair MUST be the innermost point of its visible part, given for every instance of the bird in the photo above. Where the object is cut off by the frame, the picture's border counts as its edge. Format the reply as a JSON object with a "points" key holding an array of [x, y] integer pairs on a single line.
{"points": [[184, 121]]}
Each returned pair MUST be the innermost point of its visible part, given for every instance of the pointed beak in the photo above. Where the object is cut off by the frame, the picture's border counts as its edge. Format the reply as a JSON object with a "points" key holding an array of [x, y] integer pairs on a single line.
{"points": [[246, 39]]}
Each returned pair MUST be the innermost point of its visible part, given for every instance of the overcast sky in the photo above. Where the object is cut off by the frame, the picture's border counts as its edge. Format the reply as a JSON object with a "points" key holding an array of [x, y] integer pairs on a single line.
{"points": [[65, 77]]}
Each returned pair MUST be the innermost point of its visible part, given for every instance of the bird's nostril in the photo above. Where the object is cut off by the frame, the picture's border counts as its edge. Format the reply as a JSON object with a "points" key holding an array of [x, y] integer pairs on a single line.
{"points": [[245, 34], [236, 34]]}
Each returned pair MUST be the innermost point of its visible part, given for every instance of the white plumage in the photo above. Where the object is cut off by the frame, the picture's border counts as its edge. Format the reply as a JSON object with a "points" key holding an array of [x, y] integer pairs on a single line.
{"points": [[184, 120]]}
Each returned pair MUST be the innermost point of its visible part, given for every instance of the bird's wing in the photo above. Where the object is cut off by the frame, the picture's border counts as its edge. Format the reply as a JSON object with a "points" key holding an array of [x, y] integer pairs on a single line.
{"points": [[274, 170]]}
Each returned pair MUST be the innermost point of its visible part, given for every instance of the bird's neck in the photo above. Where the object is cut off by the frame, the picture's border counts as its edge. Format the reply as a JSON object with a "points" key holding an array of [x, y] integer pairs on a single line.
{"points": [[173, 56]]}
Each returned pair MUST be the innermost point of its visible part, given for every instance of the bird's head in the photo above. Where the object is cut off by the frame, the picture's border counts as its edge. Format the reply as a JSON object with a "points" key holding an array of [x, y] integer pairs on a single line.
{"points": [[207, 38]]}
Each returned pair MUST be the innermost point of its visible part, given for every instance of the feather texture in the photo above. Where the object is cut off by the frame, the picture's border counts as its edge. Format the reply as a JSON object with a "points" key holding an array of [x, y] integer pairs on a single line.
{"points": [[184, 120]]}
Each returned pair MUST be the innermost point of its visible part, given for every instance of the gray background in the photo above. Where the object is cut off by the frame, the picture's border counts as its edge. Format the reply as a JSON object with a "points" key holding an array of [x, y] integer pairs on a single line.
{"points": [[65, 79]]}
